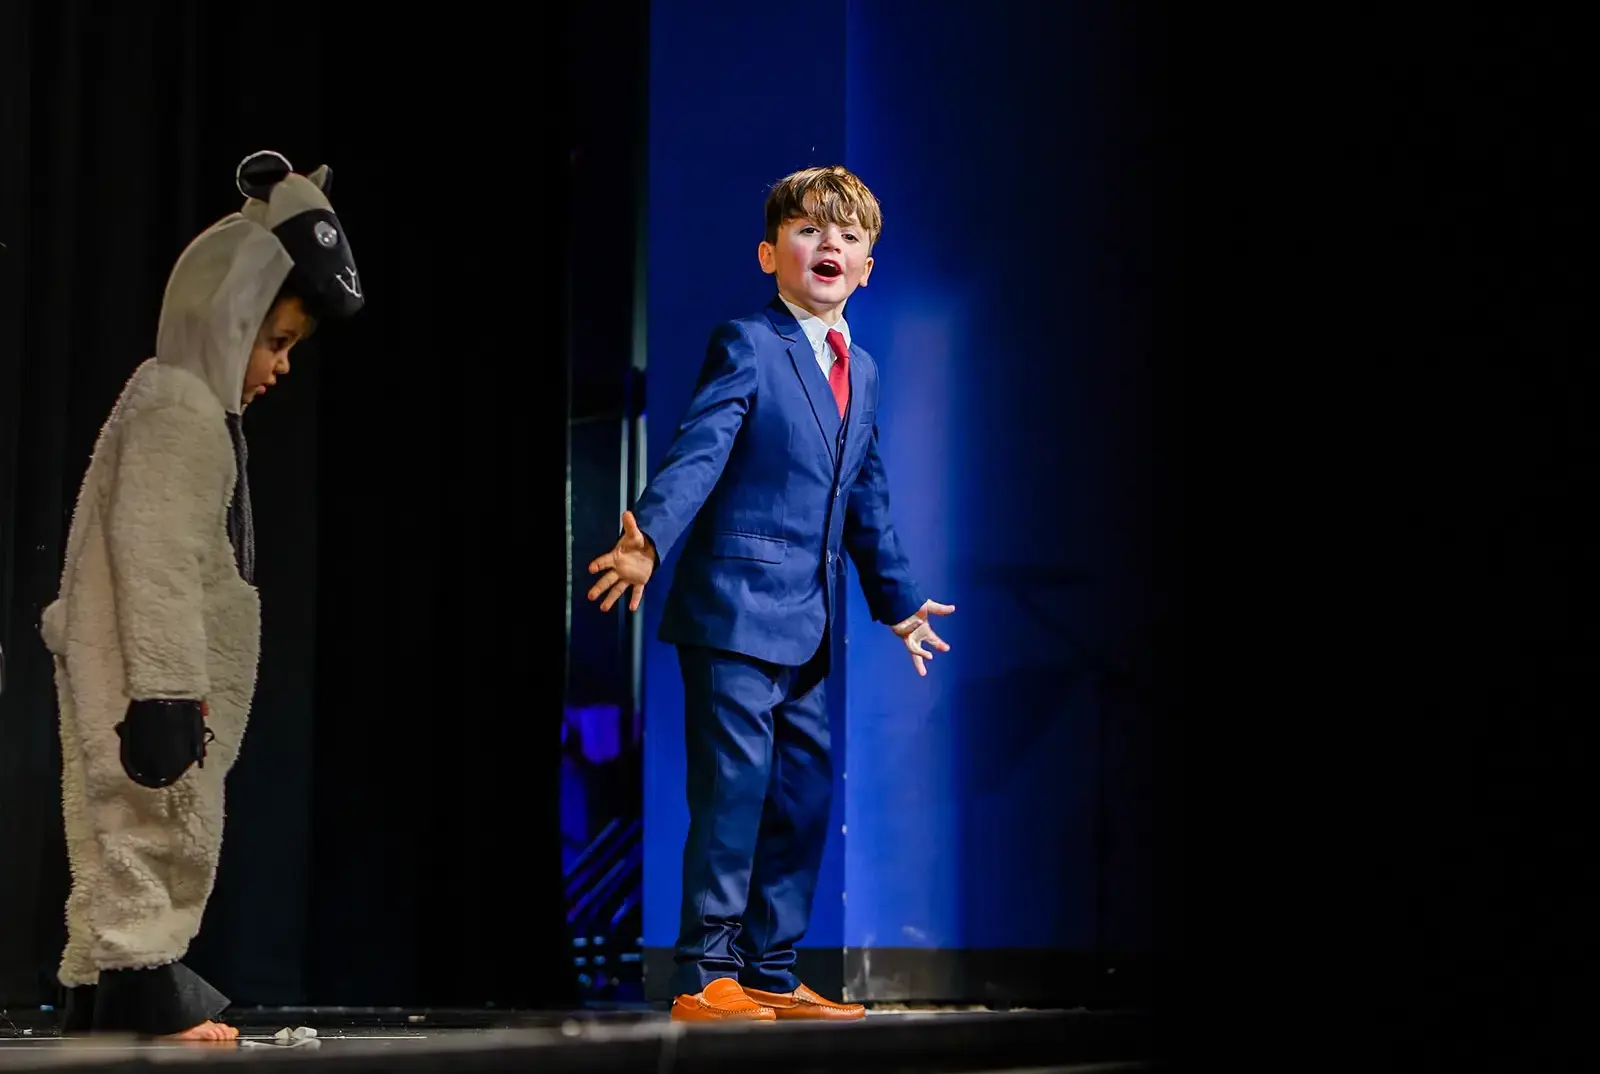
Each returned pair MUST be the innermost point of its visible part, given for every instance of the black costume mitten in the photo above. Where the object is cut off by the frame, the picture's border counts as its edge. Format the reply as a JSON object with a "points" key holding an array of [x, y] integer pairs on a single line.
{"points": [[161, 739]]}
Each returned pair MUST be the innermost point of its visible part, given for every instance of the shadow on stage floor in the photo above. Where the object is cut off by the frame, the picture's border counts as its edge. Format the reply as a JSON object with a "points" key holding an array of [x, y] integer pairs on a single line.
{"points": [[626, 1039]]}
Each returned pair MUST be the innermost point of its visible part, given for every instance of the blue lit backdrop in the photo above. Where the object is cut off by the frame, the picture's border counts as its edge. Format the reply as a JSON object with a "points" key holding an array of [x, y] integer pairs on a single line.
{"points": [[1011, 326]]}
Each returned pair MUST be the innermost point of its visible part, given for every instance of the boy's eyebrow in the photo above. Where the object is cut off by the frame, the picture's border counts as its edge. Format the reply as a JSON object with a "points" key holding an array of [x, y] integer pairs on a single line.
{"points": [[848, 225]]}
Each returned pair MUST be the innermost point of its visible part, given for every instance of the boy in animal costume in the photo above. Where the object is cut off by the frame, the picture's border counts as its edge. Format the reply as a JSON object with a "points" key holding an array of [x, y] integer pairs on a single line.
{"points": [[156, 631]]}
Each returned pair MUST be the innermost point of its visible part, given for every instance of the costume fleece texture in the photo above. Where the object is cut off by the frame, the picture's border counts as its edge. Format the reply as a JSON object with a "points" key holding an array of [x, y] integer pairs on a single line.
{"points": [[152, 604]]}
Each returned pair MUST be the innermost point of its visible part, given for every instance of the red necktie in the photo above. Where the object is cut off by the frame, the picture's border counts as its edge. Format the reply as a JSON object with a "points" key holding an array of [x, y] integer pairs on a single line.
{"points": [[839, 375]]}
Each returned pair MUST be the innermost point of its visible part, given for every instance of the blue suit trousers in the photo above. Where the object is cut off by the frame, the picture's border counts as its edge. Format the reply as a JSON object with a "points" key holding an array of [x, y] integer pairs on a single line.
{"points": [[760, 778]]}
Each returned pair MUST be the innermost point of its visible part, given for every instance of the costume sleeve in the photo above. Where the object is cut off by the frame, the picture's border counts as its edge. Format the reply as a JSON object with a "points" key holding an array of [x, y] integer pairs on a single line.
{"points": [[722, 397], [873, 545], [165, 508]]}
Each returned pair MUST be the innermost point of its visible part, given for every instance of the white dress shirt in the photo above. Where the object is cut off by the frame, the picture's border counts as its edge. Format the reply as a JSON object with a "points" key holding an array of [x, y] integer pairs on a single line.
{"points": [[817, 332]]}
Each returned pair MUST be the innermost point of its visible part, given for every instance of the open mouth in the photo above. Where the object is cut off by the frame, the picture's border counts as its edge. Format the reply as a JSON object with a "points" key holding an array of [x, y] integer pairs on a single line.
{"points": [[828, 270]]}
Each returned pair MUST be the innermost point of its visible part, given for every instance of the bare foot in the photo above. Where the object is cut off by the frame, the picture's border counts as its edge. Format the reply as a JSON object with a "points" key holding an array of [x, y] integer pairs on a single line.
{"points": [[206, 1031]]}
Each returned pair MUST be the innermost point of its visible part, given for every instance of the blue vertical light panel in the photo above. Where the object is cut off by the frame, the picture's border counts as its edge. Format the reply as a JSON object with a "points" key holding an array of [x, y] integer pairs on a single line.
{"points": [[740, 94]]}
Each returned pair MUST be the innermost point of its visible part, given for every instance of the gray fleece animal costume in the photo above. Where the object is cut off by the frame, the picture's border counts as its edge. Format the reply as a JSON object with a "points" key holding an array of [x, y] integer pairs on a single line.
{"points": [[156, 631]]}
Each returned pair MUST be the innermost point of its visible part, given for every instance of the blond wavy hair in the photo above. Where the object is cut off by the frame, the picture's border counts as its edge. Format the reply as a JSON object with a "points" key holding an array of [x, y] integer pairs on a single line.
{"points": [[827, 195]]}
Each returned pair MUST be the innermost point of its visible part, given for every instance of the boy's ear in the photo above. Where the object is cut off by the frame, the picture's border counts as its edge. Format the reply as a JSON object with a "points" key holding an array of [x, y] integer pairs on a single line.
{"points": [[767, 254]]}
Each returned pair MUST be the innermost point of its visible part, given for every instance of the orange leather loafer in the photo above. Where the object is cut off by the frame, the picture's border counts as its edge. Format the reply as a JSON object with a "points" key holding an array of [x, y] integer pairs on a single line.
{"points": [[721, 1001], [803, 1003]]}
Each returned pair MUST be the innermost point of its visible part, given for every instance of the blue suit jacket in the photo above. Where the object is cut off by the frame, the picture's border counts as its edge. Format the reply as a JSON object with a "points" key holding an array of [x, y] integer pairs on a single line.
{"points": [[764, 484]]}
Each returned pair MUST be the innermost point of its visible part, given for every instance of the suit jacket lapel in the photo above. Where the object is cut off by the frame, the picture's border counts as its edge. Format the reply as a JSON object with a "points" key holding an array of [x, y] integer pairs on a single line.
{"points": [[858, 402], [823, 408]]}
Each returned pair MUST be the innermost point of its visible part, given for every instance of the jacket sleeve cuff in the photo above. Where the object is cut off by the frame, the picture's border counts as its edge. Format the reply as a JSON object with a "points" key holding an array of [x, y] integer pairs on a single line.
{"points": [[901, 606]]}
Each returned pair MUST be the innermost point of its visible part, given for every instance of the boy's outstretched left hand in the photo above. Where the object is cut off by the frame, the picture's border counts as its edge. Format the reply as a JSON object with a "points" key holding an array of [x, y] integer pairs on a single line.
{"points": [[916, 630], [630, 563]]}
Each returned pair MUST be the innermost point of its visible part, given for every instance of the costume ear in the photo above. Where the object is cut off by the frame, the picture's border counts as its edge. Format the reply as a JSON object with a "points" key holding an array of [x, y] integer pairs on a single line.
{"points": [[323, 177], [260, 172]]}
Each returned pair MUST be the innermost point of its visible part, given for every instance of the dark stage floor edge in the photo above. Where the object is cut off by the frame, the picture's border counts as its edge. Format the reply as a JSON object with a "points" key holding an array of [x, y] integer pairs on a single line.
{"points": [[356, 1042]]}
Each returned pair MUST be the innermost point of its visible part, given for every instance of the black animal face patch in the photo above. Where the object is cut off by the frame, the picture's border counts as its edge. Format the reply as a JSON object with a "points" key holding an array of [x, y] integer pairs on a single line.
{"points": [[324, 272], [324, 267]]}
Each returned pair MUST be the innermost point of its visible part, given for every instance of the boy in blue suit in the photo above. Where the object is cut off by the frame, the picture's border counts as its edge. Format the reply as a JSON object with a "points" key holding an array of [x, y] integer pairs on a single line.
{"points": [[774, 472]]}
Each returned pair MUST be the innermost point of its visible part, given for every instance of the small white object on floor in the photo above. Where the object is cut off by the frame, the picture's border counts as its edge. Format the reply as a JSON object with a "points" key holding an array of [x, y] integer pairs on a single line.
{"points": [[295, 1035]]}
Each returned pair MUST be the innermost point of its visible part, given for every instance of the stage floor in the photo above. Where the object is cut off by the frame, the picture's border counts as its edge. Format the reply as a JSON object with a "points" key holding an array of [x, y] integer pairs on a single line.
{"points": [[645, 1040]]}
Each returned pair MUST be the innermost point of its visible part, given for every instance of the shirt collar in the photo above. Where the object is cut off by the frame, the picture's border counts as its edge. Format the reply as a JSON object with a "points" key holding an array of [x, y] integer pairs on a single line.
{"points": [[814, 328]]}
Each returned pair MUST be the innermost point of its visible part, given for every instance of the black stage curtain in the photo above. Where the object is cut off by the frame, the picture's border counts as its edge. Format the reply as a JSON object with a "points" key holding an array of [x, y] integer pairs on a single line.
{"points": [[392, 823]]}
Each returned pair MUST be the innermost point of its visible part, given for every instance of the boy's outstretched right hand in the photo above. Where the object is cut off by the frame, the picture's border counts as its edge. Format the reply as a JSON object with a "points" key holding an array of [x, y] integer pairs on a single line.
{"points": [[630, 563]]}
